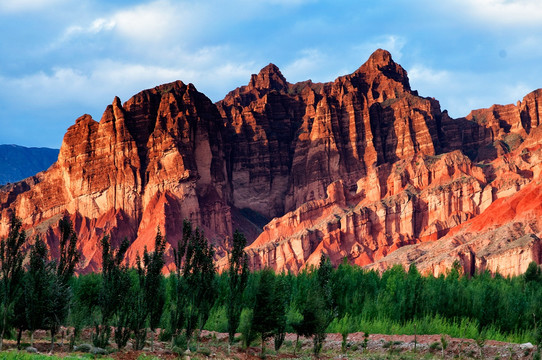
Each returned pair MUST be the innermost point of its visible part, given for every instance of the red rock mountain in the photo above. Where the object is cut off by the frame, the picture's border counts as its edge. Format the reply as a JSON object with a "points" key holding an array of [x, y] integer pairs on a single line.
{"points": [[361, 168]]}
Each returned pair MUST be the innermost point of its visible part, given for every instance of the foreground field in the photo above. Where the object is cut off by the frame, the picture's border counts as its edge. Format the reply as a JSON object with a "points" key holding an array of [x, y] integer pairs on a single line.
{"points": [[215, 345]]}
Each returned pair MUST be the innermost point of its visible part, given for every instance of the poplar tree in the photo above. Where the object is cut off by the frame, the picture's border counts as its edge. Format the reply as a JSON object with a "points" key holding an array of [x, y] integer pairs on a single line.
{"points": [[266, 315], [281, 301], [58, 302], [320, 307], [36, 287], [199, 276], [177, 285], [237, 281], [149, 301], [11, 273], [112, 293]]}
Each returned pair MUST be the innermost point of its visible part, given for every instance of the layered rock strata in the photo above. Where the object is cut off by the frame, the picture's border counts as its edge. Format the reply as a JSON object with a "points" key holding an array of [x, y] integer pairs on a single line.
{"points": [[356, 168]]}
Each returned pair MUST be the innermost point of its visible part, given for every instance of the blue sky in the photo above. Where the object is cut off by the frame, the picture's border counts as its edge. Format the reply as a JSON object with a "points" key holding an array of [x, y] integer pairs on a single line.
{"points": [[60, 59]]}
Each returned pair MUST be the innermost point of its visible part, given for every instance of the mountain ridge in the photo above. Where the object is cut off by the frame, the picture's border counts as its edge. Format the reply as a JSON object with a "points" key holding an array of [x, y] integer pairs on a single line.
{"points": [[19, 162], [357, 167]]}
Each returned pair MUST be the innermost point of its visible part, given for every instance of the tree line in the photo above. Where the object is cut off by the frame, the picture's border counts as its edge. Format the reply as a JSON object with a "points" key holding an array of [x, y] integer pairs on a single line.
{"points": [[122, 302]]}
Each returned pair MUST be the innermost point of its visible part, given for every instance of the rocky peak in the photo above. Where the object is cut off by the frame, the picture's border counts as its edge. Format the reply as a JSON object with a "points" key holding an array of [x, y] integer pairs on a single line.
{"points": [[381, 63], [269, 78], [380, 58]]}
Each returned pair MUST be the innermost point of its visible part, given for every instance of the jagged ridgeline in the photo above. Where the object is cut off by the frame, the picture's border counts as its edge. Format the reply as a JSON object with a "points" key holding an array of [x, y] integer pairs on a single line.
{"points": [[356, 168]]}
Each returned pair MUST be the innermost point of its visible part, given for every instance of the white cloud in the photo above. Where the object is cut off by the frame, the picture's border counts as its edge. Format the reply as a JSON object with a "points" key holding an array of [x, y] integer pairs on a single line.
{"points": [[95, 27], [506, 12], [101, 24], [393, 43], [155, 21], [461, 92], [420, 74], [494, 13], [164, 23], [306, 66], [96, 87]]}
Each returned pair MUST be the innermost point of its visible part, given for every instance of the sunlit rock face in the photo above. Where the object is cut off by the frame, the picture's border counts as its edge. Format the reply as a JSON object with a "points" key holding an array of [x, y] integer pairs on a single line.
{"points": [[361, 168]]}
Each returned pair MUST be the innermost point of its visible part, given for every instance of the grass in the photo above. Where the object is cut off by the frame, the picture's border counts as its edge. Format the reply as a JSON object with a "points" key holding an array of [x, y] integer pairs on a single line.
{"points": [[430, 325]]}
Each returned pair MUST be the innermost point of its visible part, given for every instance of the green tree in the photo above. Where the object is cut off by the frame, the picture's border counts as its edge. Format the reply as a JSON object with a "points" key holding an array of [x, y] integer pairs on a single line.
{"points": [[68, 255], [112, 292], [265, 319], [533, 273], [281, 300], [237, 281], [124, 311], [36, 287], [319, 308], [199, 276], [124, 293], [324, 276], [19, 320], [57, 304], [177, 286], [314, 322], [59, 299], [86, 300], [154, 284], [149, 300], [11, 273]]}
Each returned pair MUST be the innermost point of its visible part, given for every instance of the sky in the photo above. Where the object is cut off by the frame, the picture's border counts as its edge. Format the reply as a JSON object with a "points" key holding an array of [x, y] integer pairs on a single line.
{"points": [[60, 59]]}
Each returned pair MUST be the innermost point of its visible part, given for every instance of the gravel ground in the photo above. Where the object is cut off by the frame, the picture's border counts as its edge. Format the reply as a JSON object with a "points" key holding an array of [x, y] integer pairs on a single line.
{"points": [[214, 345]]}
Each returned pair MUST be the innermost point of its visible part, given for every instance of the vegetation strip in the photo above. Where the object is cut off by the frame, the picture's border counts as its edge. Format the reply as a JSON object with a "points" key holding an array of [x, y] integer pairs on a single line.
{"points": [[122, 304]]}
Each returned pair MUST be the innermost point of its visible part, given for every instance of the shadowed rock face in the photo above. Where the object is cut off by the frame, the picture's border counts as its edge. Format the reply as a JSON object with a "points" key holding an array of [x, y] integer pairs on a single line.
{"points": [[355, 168]]}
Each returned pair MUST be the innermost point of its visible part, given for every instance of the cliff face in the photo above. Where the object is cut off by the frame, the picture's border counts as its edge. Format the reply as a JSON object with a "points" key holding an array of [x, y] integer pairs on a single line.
{"points": [[355, 168], [153, 161]]}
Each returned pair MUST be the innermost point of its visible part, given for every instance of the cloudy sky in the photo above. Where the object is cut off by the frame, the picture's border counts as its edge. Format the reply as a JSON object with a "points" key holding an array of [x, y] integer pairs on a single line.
{"points": [[60, 59]]}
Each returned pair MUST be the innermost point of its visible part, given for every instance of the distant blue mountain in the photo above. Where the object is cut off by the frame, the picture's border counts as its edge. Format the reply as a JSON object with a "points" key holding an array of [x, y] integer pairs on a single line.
{"points": [[19, 162]]}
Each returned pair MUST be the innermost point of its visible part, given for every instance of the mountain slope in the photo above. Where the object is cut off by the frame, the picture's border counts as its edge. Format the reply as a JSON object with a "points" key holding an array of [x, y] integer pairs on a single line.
{"points": [[19, 162]]}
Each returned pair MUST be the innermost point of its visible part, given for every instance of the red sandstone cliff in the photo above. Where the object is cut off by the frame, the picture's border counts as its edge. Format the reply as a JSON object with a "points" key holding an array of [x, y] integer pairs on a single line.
{"points": [[152, 161], [357, 168]]}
